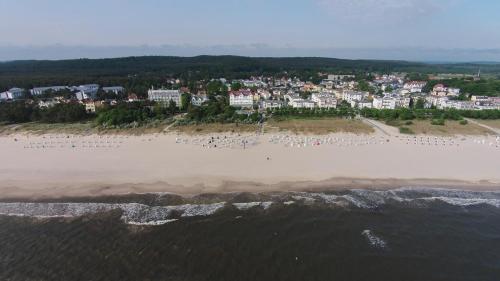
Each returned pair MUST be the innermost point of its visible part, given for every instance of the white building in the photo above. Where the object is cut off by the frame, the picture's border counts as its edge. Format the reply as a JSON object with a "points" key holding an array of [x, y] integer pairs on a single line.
{"points": [[88, 91], [271, 104], [242, 98], [324, 100], [336, 77], [455, 104], [436, 101], [365, 104], [40, 90], [302, 103], [12, 94], [351, 96], [165, 96], [384, 103], [114, 89]]}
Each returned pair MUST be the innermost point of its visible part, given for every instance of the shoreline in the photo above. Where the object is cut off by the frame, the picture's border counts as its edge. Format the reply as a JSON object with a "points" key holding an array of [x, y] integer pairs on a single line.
{"points": [[97, 190]]}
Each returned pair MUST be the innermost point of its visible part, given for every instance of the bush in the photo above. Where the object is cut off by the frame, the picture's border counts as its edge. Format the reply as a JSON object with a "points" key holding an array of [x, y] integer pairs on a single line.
{"points": [[407, 123], [464, 122], [406, 130], [392, 122], [437, 122]]}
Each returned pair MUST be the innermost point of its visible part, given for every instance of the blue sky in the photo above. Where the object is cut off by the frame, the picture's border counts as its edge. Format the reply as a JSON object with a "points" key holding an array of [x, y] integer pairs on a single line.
{"points": [[251, 27]]}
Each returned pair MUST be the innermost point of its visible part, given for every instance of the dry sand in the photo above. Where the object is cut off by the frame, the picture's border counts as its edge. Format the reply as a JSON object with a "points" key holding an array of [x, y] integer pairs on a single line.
{"points": [[156, 163]]}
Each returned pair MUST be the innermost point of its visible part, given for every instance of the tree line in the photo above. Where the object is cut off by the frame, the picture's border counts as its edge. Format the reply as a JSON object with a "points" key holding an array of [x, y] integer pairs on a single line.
{"points": [[411, 114]]}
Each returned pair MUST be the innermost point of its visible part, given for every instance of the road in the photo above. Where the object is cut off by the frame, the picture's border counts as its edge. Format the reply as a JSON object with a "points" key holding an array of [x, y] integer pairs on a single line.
{"points": [[497, 131], [389, 131]]}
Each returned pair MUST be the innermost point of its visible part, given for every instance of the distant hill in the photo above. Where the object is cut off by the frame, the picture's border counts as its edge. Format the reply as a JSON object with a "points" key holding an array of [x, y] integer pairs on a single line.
{"points": [[235, 64]]}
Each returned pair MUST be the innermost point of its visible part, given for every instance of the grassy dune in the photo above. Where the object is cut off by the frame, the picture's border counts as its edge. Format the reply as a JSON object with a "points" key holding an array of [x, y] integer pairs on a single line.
{"points": [[450, 128], [321, 126], [215, 128]]}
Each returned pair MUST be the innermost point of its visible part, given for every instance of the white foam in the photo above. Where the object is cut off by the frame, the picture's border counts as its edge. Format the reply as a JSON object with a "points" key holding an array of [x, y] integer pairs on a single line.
{"points": [[246, 206], [373, 239]]}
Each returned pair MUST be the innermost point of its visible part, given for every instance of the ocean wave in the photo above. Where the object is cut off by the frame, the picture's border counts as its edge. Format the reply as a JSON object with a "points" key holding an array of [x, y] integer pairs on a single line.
{"points": [[141, 214], [369, 199], [133, 213]]}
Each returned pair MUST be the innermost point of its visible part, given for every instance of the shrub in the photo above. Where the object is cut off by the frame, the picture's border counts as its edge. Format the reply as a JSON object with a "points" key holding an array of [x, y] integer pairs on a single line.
{"points": [[406, 130], [438, 122], [463, 122], [392, 122]]}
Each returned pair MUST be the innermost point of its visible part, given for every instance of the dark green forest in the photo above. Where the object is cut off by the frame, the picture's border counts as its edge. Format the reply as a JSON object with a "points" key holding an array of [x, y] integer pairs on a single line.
{"points": [[139, 73]]}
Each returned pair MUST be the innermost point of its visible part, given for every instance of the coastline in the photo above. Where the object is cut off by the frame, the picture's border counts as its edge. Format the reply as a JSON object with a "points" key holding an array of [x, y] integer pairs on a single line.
{"points": [[10, 192]]}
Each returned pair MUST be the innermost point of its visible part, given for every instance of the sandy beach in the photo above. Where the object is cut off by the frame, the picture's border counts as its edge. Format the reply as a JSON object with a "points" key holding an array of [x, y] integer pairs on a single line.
{"points": [[70, 165]]}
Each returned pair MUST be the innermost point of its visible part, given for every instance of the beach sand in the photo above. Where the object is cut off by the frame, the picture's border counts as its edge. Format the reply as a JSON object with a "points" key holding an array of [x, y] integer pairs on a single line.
{"points": [[62, 165]]}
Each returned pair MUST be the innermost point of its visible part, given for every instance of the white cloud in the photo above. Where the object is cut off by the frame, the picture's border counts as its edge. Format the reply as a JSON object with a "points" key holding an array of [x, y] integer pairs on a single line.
{"points": [[382, 9]]}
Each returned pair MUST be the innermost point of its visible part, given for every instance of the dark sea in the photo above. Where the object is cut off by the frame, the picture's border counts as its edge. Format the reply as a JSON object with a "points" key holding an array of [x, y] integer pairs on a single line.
{"points": [[401, 235]]}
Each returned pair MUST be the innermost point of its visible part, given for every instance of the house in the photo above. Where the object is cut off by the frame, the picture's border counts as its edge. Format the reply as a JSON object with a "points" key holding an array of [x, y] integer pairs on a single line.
{"points": [[115, 89], [310, 87], [165, 96], [324, 100], [241, 98], [89, 106], [414, 86], [439, 88], [48, 103], [198, 100], [443, 91], [264, 94], [480, 99], [132, 98]]}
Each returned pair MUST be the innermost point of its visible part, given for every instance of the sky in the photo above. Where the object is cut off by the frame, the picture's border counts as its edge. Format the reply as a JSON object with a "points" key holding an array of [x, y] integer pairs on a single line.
{"points": [[429, 30]]}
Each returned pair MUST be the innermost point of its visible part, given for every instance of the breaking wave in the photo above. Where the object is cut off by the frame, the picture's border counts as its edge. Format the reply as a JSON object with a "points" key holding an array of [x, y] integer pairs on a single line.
{"points": [[142, 214]]}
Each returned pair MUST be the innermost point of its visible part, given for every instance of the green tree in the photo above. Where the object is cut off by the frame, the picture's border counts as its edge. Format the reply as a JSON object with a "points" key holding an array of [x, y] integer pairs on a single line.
{"points": [[420, 104], [236, 86], [185, 101]]}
